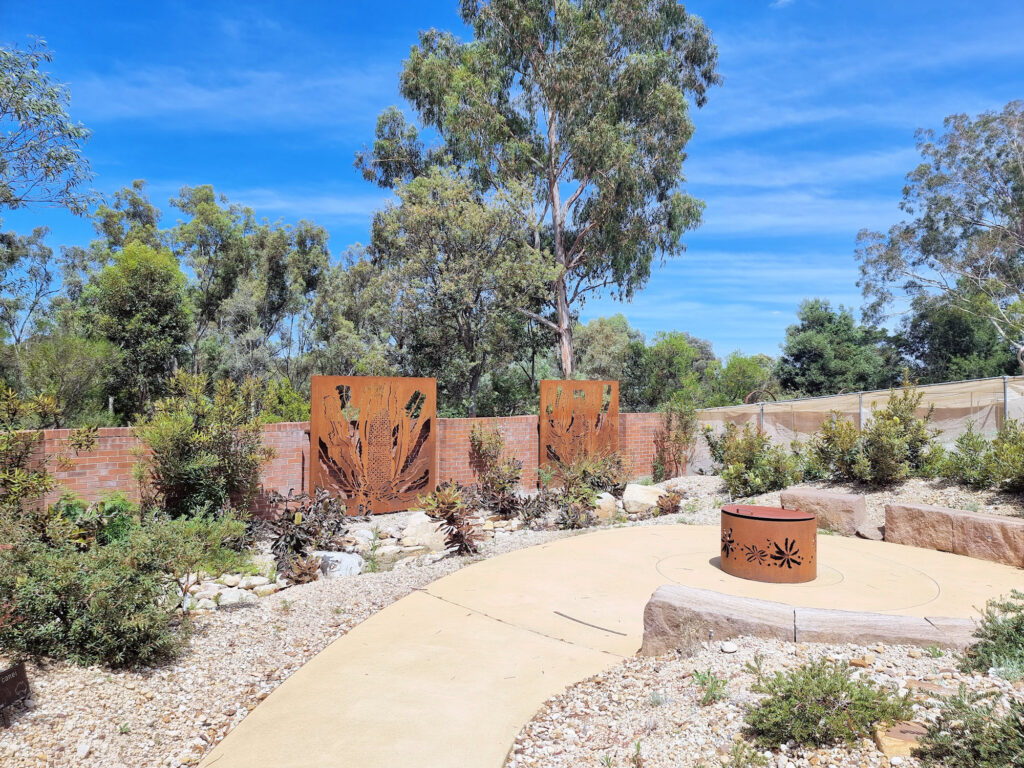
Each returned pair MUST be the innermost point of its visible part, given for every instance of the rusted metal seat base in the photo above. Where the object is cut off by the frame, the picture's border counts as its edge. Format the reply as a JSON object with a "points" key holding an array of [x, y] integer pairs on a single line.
{"points": [[769, 544]]}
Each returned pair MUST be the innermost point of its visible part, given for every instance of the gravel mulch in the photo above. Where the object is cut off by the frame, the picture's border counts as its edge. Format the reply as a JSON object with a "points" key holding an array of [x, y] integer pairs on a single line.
{"points": [[655, 703], [92, 717]]}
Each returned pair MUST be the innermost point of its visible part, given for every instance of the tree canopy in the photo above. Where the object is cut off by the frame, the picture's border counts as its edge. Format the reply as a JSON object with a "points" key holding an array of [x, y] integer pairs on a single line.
{"points": [[583, 102]]}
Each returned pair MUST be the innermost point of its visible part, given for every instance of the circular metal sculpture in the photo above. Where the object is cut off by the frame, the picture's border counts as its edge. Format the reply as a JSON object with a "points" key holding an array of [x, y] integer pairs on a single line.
{"points": [[769, 544]]}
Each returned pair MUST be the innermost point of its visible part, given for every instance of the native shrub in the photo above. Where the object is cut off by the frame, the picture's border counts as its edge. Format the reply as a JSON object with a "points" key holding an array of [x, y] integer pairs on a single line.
{"points": [[668, 504], [969, 732], [820, 704], [1006, 458], [116, 603], [835, 448], [999, 634], [603, 472], [205, 450], [498, 488], [748, 462], [447, 504], [301, 524], [970, 461]]}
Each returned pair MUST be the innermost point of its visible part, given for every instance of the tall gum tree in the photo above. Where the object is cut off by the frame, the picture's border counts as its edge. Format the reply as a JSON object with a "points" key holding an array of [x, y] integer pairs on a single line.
{"points": [[587, 103]]}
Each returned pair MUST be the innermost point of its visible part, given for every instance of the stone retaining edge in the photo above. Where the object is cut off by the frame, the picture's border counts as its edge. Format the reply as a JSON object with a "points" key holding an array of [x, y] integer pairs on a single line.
{"points": [[675, 616]]}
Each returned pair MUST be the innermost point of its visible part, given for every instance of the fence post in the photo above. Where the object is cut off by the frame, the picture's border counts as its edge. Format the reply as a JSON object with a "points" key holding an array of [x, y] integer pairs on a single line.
{"points": [[1006, 398], [760, 418], [860, 410]]}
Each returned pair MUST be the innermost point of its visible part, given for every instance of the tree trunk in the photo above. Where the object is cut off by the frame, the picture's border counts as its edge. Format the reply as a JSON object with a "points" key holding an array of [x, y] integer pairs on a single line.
{"points": [[565, 346]]}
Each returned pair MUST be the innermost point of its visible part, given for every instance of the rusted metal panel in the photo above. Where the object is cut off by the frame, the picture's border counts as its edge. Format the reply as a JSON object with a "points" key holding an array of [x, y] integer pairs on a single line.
{"points": [[373, 440], [577, 418], [769, 544]]}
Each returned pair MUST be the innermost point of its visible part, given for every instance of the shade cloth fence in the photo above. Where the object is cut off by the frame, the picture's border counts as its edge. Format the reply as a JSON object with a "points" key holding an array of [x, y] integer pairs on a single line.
{"points": [[983, 402]]}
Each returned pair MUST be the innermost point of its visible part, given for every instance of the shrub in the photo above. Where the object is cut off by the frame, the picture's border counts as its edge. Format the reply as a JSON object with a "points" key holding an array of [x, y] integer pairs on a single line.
{"points": [[301, 524], [498, 488], [104, 521], [447, 504], [969, 732], [895, 444], [835, 448], [673, 440], [819, 704], [113, 603], [603, 472], [969, 463], [204, 451], [1000, 635], [748, 462], [1006, 459]]}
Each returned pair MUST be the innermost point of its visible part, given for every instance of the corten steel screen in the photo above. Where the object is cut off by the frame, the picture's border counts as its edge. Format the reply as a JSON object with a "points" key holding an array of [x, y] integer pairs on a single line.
{"points": [[577, 418], [373, 440]]}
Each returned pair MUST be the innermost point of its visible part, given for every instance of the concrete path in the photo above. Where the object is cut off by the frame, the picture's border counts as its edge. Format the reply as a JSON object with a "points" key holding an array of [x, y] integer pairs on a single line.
{"points": [[447, 676]]}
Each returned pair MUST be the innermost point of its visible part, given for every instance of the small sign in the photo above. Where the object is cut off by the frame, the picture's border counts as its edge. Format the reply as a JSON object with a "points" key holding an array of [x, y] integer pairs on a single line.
{"points": [[13, 687]]}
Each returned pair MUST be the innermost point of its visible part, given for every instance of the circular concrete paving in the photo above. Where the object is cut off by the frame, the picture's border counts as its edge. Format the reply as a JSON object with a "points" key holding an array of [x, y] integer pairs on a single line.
{"points": [[448, 675]]}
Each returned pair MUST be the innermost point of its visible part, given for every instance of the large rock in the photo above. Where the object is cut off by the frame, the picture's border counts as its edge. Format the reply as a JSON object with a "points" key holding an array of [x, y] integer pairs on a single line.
{"points": [[987, 537], [641, 499], [421, 530], [844, 513], [337, 564], [822, 625], [606, 507], [919, 525], [679, 618]]}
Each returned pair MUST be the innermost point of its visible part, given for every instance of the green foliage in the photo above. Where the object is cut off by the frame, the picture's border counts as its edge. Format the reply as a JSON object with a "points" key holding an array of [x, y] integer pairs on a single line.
{"points": [[204, 451], [75, 371], [498, 488], [625, 76], [820, 704], [447, 504], [999, 635], [137, 303], [713, 688], [970, 461], [895, 444], [748, 462], [113, 603], [674, 440], [42, 160], [965, 237], [742, 755], [23, 478], [103, 522], [284, 403], [1006, 459], [827, 351], [969, 732]]}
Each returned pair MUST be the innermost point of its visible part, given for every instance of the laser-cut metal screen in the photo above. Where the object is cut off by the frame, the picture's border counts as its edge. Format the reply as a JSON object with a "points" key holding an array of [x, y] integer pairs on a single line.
{"points": [[373, 440], [576, 418]]}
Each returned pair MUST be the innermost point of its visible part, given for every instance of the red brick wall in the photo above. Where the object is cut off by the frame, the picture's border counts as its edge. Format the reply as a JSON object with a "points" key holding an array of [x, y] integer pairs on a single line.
{"points": [[520, 433], [108, 467]]}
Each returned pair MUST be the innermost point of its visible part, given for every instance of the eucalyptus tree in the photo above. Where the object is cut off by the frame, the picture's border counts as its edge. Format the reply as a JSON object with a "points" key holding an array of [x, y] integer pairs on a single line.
{"points": [[462, 266], [41, 147], [965, 240], [587, 102]]}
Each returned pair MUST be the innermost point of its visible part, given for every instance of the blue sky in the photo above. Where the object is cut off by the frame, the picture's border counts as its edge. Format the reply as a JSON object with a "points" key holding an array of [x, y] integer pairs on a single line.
{"points": [[807, 141]]}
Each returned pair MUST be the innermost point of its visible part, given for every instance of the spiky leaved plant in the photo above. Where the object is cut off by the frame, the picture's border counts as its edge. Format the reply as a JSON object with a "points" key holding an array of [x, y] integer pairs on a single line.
{"points": [[447, 505], [668, 504]]}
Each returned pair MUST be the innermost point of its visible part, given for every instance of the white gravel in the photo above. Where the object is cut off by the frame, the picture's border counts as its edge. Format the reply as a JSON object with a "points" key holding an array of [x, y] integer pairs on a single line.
{"points": [[655, 703]]}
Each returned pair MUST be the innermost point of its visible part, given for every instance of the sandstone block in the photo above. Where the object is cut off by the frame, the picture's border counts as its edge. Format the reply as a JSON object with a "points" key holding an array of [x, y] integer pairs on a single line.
{"points": [[678, 617], [843, 513], [919, 525], [818, 625], [640, 499], [989, 537]]}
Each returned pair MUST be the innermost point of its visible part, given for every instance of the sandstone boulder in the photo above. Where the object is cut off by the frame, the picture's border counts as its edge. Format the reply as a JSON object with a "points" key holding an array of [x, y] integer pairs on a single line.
{"points": [[606, 507], [987, 537], [641, 499], [844, 513], [421, 530], [820, 625], [680, 618]]}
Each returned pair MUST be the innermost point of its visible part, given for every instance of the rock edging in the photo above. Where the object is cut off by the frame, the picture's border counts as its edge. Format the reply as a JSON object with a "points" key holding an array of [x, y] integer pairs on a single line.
{"points": [[676, 617], [986, 537]]}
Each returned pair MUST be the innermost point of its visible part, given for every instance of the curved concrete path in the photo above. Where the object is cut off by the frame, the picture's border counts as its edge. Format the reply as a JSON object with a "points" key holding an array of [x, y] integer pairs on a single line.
{"points": [[448, 675]]}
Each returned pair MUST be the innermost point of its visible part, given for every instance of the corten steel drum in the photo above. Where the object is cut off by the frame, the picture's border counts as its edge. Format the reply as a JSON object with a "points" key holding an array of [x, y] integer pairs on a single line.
{"points": [[769, 544]]}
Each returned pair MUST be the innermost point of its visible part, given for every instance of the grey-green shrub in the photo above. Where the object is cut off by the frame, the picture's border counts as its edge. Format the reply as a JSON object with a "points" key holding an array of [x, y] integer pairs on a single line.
{"points": [[969, 732], [819, 704], [999, 635], [749, 463]]}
